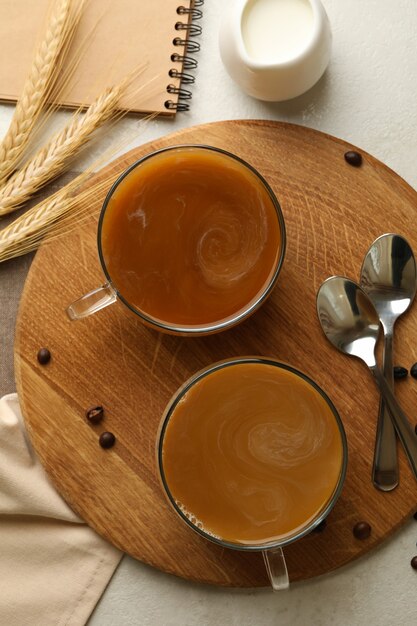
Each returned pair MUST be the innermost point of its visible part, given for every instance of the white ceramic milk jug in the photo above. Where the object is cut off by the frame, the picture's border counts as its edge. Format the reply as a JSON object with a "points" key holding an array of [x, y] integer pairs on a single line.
{"points": [[275, 49]]}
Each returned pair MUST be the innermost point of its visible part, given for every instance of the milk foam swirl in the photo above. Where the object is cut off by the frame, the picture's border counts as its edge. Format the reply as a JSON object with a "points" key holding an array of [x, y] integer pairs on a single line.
{"points": [[229, 243], [265, 449], [280, 444]]}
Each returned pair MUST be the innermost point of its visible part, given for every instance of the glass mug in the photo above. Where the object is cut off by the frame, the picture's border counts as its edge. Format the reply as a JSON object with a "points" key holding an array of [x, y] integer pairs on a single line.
{"points": [[191, 239], [252, 455]]}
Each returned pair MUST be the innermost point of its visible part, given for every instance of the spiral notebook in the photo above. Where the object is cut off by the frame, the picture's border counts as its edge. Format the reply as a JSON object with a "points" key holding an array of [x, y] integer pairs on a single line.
{"points": [[113, 38]]}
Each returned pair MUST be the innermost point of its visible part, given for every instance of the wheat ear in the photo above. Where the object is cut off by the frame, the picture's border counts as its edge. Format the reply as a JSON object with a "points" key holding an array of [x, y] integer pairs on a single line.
{"points": [[55, 213], [35, 89], [51, 160], [61, 212]]}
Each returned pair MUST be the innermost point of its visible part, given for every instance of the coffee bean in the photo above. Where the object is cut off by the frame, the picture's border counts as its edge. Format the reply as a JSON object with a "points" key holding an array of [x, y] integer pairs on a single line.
{"points": [[353, 158], [107, 440], [44, 356], [362, 530], [95, 414], [400, 372], [320, 527], [413, 562], [413, 370]]}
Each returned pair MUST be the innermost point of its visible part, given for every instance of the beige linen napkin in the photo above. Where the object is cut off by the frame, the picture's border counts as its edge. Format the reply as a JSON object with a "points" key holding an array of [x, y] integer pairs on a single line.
{"points": [[53, 567]]}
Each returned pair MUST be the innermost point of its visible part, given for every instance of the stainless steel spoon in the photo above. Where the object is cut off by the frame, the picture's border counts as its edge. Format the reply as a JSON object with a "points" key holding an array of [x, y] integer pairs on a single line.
{"points": [[349, 320], [388, 276]]}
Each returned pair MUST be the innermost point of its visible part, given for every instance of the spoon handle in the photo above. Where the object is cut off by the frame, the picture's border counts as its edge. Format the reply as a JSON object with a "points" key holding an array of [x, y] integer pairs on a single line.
{"points": [[385, 466], [406, 434]]}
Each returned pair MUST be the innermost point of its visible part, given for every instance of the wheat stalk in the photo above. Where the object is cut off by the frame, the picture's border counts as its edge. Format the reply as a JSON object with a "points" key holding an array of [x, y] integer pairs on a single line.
{"points": [[37, 87], [49, 161]]}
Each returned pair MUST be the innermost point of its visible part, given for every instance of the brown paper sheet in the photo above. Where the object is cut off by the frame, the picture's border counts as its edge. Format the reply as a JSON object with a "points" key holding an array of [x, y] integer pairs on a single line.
{"points": [[114, 36]]}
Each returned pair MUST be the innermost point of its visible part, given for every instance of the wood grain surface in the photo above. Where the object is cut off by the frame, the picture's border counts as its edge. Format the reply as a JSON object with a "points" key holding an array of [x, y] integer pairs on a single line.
{"points": [[333, 212]]}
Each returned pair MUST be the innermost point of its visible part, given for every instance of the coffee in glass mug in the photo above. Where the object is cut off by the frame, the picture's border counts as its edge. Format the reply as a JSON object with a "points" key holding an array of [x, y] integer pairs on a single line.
{"points": [[190, 238], [252, 453]]}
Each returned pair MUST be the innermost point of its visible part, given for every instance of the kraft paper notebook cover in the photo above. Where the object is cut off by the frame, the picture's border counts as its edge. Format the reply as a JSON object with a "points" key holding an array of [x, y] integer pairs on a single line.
{"points": [[115, 37]]}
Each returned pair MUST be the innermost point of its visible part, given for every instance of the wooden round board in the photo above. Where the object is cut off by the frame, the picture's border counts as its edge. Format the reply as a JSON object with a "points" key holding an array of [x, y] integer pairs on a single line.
{"points": [[333, 212]]}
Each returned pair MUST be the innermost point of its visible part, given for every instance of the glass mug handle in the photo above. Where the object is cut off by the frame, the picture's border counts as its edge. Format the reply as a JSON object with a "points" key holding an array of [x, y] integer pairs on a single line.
{"points": [[92, 302], [277, 568]]}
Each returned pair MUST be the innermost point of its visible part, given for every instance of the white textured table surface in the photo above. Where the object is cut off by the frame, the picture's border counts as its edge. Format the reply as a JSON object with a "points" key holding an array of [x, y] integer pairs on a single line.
{"points": [[368, 97]]}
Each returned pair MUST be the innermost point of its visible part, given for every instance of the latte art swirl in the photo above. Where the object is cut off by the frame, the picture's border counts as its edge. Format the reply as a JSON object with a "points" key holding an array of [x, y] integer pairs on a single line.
{"points": [[285, 446], [229, 244]]}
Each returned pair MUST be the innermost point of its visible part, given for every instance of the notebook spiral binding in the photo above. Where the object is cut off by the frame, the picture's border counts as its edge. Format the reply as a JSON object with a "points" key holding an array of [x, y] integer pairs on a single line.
{"points": [[189, 47]]}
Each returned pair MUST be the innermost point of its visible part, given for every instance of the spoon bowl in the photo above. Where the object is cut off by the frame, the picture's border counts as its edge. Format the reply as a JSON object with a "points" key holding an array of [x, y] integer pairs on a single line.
{"points": [[348, 318], [389, 277]]}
